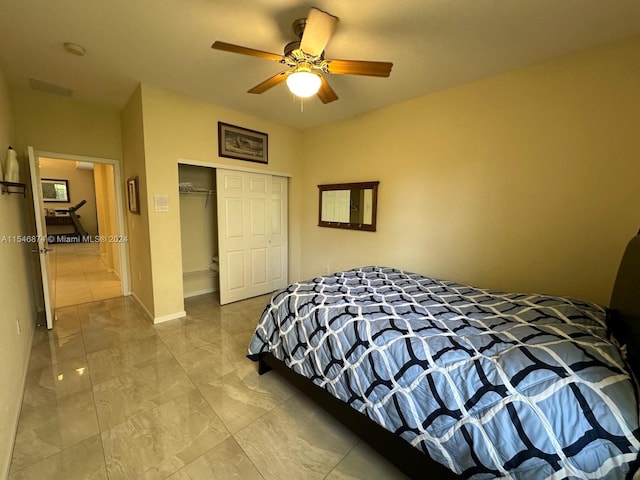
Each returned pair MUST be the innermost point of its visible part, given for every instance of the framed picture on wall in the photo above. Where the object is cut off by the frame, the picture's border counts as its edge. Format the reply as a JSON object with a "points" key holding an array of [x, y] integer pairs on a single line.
{"points": [[133, 195], [242, 143]]}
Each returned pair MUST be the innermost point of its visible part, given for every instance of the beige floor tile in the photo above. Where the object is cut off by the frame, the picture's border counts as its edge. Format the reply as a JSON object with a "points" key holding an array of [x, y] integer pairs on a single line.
{"points": [[181, 334], [104, 292], [108, 331], [68, 269], [48, 348], [234, 323], [242, 396], [46, 431], [44, 386], [204, 361], [67, 321], [364, 463], [224, 461], [161, 441], [126, 358], [81, 275], [65, 300], [139, 390], [84, 461], [295, 429]]}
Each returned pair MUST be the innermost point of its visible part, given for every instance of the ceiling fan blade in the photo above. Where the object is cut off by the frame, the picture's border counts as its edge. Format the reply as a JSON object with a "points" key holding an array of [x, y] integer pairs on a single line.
{"points": [[326, 93], [317, 32], [359, 67], [229, 47], [270, 82]]}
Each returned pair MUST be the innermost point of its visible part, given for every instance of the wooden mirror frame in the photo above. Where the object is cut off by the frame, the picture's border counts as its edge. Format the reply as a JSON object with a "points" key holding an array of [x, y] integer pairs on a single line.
{"points": [[350, 186]]}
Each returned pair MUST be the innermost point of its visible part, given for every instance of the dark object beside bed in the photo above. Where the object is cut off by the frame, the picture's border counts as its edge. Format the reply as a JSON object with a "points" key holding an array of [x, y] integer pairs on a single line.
{"points": [[623, 315], [622, 319]]}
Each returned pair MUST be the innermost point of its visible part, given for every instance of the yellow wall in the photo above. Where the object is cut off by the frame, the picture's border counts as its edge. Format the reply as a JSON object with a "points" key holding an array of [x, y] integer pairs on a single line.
{"points": [[177, 126], [525, 181], [16, 299], [61, 125], [137, 225]]}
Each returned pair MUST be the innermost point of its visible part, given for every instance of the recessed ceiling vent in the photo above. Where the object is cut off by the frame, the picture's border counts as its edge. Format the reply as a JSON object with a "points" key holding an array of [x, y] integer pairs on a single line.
{"points": [[47, 87]]}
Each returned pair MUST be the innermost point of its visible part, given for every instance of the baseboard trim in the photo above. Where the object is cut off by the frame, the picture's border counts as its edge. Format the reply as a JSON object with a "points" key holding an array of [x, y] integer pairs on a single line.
{"points": [[142, 306], [171, 316], [155, 320]]}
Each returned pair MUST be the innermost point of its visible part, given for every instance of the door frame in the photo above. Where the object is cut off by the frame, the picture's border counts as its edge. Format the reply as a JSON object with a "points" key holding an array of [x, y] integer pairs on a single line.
{"points": [[125, 281], [226, 166]]}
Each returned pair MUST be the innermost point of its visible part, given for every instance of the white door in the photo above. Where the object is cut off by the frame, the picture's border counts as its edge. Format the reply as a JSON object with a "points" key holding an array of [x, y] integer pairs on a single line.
{"points": [[252, 234], [48, 281], [278, 244]]}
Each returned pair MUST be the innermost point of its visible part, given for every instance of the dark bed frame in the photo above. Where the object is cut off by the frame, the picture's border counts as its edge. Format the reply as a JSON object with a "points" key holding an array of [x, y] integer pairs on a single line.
{"points": [[398, 451], [623, 319]]}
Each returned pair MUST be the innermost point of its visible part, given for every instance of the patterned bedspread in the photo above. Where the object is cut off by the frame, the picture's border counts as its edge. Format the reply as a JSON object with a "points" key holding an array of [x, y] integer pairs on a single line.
{"points": [[487, 383]]}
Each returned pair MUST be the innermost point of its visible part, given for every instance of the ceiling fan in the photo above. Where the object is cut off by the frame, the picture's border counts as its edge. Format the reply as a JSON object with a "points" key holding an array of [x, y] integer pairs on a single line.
{"points": [[306, 62]]}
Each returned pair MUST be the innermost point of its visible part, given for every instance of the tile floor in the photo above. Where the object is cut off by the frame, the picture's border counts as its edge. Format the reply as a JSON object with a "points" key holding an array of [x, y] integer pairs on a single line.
{"points": [[81, 275], [110, 396]]}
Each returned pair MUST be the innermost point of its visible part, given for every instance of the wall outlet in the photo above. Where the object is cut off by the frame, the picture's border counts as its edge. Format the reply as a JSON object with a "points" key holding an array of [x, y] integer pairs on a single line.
{"points": [[18, 327]]}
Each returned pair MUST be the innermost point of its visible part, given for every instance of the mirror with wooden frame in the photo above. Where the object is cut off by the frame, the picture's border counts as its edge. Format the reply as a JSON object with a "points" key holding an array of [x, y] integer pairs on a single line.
{"points": [[348, 205]]}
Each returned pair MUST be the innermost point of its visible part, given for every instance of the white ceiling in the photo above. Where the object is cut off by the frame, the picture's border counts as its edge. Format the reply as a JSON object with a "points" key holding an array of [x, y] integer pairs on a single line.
{"points": [[433, 44]]}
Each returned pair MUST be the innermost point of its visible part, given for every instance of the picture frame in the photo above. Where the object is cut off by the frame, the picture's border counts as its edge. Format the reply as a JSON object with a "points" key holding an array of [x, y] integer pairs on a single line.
{"points": [[133, 195], [55, 190], [242, 143]]}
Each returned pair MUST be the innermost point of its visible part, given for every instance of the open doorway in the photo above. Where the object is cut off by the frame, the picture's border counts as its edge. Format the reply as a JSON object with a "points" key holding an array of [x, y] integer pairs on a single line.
{"points": [[80, 216]]}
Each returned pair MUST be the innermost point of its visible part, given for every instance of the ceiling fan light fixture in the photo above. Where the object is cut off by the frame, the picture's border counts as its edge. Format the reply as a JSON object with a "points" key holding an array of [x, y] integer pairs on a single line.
{"points": [[303, 83]]}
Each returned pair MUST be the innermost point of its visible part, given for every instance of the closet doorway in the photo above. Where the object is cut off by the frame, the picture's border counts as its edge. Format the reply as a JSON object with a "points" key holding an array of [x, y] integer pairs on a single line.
{"points": [[198, 230], [234, 231]]}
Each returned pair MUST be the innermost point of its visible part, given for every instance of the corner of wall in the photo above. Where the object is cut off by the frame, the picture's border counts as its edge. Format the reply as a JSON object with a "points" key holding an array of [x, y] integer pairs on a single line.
{"points": [[134, 165]]}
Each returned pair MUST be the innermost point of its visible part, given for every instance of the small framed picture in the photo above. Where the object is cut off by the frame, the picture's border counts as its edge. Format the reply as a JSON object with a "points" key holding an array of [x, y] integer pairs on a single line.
{"points": [[133, 195], [242, 143]]}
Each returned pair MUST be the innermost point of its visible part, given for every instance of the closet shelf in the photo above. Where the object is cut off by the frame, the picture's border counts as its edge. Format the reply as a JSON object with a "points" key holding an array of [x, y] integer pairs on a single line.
{"points": [[208, 193], [200, 273], [13, 187]]}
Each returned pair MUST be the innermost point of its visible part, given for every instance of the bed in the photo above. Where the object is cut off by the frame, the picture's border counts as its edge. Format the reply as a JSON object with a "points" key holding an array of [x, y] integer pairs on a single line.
{"points": [[452, 381]]}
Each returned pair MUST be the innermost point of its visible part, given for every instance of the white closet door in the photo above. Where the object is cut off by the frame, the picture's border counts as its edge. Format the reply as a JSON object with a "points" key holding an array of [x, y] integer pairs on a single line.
{"points": [[278, 244], [250, 263]]}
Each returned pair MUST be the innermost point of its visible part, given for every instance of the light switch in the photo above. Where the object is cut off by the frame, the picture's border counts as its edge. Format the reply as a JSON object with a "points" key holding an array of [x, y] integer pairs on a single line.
{"points": [[161, 202]]}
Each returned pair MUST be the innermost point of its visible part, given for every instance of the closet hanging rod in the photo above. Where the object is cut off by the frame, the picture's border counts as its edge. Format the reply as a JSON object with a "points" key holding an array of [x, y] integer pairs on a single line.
{"points": [[208, 192]]}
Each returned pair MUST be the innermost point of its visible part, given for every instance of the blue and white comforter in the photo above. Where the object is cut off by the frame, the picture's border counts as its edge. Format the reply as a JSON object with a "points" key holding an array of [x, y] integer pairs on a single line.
{"points": [[489, 384]]}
